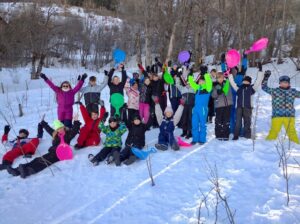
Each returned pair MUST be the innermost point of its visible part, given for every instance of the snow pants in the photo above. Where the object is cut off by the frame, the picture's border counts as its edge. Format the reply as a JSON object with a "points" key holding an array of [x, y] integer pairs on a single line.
{"points": [[40, 163], [105, 152], [243, 115], [166, 138], [199, 118], [28, 148], [65, 116], [88, 138], [144, 110], [289, 125], [222, 122]]}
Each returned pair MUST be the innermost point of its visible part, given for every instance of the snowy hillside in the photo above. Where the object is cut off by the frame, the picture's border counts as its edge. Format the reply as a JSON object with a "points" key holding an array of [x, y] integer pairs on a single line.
{"points": [[80, 193]]}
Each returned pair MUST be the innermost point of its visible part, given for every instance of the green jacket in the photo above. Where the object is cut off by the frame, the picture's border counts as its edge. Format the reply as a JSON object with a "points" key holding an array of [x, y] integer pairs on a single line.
{"points": [[113, 138]]}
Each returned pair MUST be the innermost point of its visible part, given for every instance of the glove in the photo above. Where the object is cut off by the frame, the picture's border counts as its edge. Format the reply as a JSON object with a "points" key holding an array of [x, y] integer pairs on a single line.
{"points": [[117, 118], [141, 67], [156, 59], [83, 77], [169, 63], [122, 67], [105, 117], [43, 76], [6, 129], [156, 99], [148, 69], [267, 74], [182, 101], [101, 103], [259, 66], [79, 77], [43, 123], [203, 69], [105, 72], [78, 102]]}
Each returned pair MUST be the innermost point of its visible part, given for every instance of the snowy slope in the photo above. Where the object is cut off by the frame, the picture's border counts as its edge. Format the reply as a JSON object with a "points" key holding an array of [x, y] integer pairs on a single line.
{"points": [[81, 193]]}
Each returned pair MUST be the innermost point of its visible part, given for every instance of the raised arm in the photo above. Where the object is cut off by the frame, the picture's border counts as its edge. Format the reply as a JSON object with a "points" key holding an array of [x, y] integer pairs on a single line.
{"points": [[232, 82], [75, 129], [193, 84], [158, 113], [124, 78], [122, 129], [85, 113], [103, 128], [265, 83], [52, 86], [78, 86], [103, 83], [46, 126], [178, 114], [258, 81], [110, 75]]}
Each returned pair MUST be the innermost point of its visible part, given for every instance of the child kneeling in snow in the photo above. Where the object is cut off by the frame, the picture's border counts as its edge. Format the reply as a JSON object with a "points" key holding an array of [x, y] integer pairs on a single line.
{"points": [[135, 138], [40, 163], [113, 142], [90, 133], [283, 110], [167, 125]]}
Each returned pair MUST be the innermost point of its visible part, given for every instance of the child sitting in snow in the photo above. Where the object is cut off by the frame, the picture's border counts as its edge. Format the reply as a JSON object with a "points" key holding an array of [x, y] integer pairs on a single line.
{"points": [[244, 102], [113, 142], [133, 93], [135, 138], [65, 98], [167, 123], [22, 145], [90, 133], [283, 110], [38, 164]]}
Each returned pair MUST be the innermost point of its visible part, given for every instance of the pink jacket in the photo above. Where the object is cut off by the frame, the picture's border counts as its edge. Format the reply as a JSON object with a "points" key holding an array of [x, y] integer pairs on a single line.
{"points": [[133, 98], [65, 100]]}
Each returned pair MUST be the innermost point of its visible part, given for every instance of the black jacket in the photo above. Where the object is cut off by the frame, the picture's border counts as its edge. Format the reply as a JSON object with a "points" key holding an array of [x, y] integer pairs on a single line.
{"points": [[136, 135], [116, 88], [244, 94], [69, 135], [157, 87]]}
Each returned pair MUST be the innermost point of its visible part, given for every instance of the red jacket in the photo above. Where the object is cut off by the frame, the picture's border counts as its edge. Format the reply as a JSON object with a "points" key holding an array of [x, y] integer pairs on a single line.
{"points": [[90, 133]]}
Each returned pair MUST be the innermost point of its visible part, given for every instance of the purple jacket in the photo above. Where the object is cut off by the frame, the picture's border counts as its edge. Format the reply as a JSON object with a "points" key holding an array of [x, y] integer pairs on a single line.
{"points": [[65, 100]]}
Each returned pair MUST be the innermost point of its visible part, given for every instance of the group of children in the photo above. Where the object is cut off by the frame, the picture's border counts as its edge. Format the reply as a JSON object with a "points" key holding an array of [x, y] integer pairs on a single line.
{"points": [[187, 102]]}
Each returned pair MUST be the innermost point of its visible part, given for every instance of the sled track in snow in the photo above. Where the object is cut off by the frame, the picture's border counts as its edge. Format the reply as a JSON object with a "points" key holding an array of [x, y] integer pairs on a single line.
{"points": [[123, 198]]}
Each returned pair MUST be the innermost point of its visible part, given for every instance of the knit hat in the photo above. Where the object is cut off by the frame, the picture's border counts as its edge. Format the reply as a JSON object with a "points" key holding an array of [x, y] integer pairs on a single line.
{"points": [[284, 78], [24, 131], [248, 79], [57, 125], [136, 117], [169, 109]]}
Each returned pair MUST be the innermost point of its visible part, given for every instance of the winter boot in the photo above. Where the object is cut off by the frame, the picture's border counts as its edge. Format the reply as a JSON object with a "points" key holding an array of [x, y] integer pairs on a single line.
{"points": [[5, 164], [193, 143], [77, 147], [188, 135], [130, 160], [235, 138], [110, 159], [12, 171], [175, 147], [183, 133], [91, 157], [201, 143], [161, 147], [116, 158]]}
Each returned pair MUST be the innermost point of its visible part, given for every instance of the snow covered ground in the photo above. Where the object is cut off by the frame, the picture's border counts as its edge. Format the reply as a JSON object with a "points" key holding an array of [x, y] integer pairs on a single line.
{"points": [[80, 193]]}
